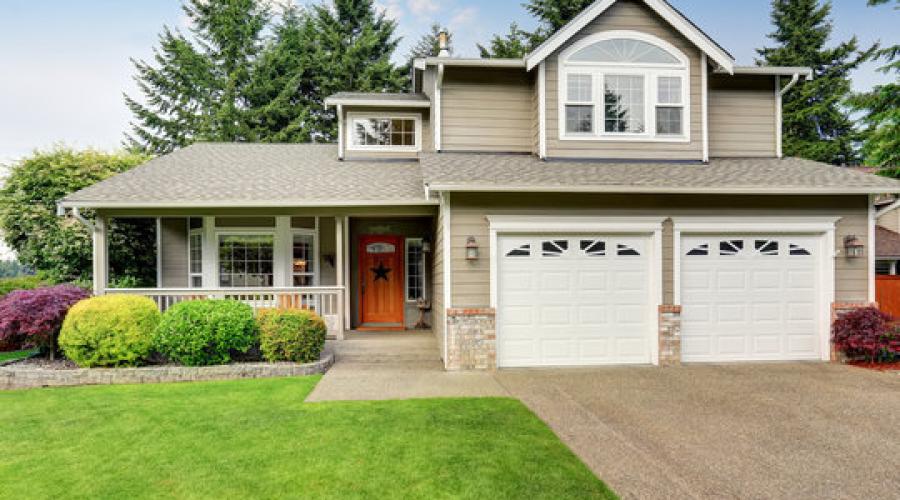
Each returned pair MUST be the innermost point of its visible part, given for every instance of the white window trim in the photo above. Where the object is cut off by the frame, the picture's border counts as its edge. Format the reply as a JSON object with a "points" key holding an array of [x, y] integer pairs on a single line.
{"points": [[406, 273], [651, 96], [637, 225], [807, 226], [416, 117], [243, 231]]}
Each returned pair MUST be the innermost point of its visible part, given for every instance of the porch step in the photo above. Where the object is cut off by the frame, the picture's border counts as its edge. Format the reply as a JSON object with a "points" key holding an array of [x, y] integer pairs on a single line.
{"points": [[399, 347]]}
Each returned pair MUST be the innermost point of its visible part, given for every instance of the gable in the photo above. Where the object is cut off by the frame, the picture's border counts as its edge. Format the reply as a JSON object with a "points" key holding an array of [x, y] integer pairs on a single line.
{"points": [[674, 19]]}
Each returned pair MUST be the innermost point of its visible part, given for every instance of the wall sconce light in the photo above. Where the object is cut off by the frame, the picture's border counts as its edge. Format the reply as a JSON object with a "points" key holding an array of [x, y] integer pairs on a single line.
{"points": [[471, 248], [426, 245], [853, 246], [329, 259]]}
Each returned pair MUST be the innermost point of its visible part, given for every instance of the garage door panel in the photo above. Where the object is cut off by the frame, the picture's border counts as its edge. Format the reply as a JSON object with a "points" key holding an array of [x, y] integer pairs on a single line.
{"points": [[751, 297], [589, 298]]}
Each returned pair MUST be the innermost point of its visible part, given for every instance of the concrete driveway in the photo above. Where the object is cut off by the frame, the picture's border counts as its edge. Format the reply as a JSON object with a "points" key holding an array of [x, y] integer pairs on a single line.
{"points": [[726, 431]]}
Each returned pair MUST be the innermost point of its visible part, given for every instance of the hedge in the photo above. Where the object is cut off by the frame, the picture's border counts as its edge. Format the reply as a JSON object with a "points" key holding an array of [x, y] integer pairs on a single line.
{"points": [[32, 318], [112, 330], [206, 332], [291, 335]]}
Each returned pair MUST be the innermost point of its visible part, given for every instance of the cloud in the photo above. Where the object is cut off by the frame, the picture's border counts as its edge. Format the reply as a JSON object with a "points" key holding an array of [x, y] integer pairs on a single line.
{"points": [[390, 8], [423, 7], [463, 16]]}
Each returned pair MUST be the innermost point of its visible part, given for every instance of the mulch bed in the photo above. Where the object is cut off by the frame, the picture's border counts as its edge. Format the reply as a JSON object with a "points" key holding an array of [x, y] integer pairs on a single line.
{"points": [[45, 363], [881, 367]]}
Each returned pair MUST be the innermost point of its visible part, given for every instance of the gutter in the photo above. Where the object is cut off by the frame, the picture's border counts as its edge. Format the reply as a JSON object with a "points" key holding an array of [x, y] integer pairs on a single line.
{"points": [[659, 190], [888, 208], [790, 85], [61, 212]]}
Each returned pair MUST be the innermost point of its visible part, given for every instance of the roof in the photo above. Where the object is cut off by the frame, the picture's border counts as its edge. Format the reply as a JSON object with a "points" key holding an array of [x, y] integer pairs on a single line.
{"points": [[678, 21], [474, 62], [486, 172], [887, 242], [404, 100], [803, 71], [256, 175]]}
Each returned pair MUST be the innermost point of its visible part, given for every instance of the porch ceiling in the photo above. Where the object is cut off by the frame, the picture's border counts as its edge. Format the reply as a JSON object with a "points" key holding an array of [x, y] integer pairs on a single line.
{"points": [[257, 175]]}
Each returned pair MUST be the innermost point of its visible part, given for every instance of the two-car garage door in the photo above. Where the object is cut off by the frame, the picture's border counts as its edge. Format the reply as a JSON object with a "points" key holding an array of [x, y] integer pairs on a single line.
{"points": [[565, 300]]}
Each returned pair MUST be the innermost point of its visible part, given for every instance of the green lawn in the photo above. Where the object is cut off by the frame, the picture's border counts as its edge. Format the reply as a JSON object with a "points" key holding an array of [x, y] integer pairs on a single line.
{"points": [[8, 356], [258, 439]]}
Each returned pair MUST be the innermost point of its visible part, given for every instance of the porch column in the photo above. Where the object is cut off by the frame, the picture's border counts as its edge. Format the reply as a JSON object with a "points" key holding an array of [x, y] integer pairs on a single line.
{"points": [[100, 256], [210, 254], [283, 252], [339, 272]]}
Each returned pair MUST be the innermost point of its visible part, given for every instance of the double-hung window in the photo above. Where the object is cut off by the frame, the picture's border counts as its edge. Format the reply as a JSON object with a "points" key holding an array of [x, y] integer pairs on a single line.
{"points": [[624, 86], [303, 259], [246, 259], [195, 252]]}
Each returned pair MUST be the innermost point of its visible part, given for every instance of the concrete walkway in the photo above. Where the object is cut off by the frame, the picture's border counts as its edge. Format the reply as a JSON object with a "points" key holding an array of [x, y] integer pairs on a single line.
{"points": [[789, 431], [402, 365]]}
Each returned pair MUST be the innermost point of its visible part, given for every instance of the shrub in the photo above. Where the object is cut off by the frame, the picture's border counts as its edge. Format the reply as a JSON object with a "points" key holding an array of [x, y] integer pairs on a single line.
{"points": [[291, 335], [32, 318], [112, 330], [206, 332], [867, 332], [20, 283]]}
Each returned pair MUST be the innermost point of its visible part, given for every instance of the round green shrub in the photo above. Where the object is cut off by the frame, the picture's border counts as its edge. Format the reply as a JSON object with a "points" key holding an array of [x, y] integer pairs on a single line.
{"points": [[111, 330], [291, 335], [205, 332]]}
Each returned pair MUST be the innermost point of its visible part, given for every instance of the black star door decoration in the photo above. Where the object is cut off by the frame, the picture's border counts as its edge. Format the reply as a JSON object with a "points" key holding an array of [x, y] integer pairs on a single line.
{"points": [[381, 272]]}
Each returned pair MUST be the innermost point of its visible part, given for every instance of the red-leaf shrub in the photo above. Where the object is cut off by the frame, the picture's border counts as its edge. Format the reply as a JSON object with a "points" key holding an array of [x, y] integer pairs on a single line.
{"points": [[867, 332], [32, 318]]}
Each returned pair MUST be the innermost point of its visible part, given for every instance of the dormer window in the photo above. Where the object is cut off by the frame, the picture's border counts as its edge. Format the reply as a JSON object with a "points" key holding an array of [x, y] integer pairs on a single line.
{"points": [[624, 85], [394, 132]]}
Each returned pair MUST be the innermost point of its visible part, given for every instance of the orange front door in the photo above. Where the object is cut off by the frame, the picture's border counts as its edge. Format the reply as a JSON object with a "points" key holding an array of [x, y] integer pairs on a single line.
{"points": [[381, 281]]}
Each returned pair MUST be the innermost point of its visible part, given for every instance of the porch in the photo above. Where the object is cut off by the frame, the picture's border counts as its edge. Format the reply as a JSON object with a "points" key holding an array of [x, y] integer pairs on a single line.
{"points": [[365, 271]]}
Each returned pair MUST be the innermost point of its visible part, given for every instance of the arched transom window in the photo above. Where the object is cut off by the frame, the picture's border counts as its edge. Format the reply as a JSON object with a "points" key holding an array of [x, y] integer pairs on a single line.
{"points": [[623, 85]]}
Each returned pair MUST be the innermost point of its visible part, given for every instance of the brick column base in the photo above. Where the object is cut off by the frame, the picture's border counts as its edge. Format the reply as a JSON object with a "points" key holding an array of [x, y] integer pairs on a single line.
{"points": [[669, 335], [838, 309], [471, 339]]}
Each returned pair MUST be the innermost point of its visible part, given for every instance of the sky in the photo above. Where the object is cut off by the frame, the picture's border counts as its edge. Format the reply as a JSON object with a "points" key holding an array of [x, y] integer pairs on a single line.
{"points": [[64, 64]]}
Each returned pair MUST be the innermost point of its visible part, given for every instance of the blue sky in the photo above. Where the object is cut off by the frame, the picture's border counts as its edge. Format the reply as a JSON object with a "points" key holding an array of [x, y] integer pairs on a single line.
{"points": [[64, 64]]}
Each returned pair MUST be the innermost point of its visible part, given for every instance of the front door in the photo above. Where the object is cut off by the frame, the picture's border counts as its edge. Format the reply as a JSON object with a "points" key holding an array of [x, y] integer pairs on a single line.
{"points": [[381, 281]]}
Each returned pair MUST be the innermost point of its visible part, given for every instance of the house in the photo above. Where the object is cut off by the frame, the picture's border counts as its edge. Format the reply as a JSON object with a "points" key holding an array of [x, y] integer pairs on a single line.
{"points": [[617, 196], [887, 237]]}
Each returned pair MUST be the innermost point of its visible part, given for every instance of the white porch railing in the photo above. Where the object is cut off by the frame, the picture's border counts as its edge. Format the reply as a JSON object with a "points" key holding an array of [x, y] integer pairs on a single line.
{"points": [[327, 302]]}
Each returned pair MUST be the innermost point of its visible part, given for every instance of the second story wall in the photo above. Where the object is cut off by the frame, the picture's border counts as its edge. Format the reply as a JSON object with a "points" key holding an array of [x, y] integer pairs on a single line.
{"points": [[742, 116], [626, 15], [487, 109]]}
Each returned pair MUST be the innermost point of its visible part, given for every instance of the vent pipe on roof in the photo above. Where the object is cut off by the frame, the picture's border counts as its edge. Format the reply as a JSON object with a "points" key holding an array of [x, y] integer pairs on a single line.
{"points": [[443, 44]]}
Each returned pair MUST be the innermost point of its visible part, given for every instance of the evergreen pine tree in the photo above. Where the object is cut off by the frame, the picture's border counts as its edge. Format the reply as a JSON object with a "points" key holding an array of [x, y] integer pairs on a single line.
{"points": [[194, 91], [551, 15], [354, 49], [881, 112], [816, 125]]}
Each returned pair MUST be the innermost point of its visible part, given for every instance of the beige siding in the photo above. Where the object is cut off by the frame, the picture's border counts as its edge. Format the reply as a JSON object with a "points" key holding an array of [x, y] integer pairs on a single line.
{"points": [[486, 110], [742, 116], [427, 139], [438, 320], [471, 279], [174, 252], [627, 15], [890, 220]]}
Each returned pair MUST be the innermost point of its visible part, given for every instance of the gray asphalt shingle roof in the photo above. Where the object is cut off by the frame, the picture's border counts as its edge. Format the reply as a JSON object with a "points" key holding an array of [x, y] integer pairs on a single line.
{"points": [[482, 172], [257, 175], [379, 97], [265, 175]]}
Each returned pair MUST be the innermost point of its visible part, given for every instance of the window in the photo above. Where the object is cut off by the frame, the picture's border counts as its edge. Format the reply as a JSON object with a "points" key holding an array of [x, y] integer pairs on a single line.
{"points": [[195, 249], [623, 85], [303, 260], [398, 133], [520, 251], [246, 260], [415, 270], [554, 248], [623, 104], [580, 104]]}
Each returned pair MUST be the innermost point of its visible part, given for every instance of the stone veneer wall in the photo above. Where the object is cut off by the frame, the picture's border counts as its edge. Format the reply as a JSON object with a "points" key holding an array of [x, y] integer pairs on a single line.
{"points": [[471, 339], [669, 335]]}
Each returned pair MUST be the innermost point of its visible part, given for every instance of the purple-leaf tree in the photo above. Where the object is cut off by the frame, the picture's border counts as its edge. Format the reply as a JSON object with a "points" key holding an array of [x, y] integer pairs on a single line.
{"points": [[32, 318]]}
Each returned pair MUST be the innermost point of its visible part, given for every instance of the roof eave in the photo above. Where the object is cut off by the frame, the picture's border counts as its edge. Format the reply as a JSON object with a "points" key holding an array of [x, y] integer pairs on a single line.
{"points": [[378, 103], [484, 63], [772, 71], [624, 189], [666, 11], [93, 204]]}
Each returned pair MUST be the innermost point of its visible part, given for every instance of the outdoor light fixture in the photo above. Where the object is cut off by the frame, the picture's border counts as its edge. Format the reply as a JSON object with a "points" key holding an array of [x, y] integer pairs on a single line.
{"points": [[471, 248], [853, 246], [426, 245]]}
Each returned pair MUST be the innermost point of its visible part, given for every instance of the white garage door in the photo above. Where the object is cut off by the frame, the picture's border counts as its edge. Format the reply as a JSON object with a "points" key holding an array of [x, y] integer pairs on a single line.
{"points": [[750, 298], [574, 300]]}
